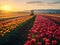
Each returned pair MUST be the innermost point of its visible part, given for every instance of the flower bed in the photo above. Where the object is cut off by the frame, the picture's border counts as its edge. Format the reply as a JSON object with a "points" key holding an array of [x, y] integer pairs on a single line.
{"points": [[18, 35], [8, 25], [43, 32], [54, 18]]}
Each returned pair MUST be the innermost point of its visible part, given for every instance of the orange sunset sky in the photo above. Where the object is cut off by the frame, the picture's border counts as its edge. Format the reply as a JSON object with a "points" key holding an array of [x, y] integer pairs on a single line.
{"points": [[21, 5]]}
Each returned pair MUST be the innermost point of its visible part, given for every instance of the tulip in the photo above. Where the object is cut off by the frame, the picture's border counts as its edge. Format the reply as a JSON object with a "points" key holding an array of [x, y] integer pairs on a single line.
{"points": [[57, 34], [25, 44], [47, 33], [44, 29], [33, 41], [47, 44], [29, 38], [53, 28], [37, 29], [37, 37], [29, 35], [44, 39], [39, 43], [50, 36], [40, 31], [28, 43], [54, 42], [47, 40], [34, 31], [41, 35]]}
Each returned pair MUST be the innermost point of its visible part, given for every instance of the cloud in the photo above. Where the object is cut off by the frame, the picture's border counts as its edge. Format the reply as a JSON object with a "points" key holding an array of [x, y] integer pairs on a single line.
{"points": [[54, 2], [40, 2], [44, 4], [34, 2]]}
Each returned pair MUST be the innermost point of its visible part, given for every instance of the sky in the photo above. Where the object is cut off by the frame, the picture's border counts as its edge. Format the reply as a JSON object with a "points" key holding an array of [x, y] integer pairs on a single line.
{"points": [[21, 5]]}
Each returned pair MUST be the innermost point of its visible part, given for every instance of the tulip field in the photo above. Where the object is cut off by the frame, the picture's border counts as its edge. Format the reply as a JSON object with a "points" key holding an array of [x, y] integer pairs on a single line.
{"points": [[30, 30], [43, 32], [14, 31], [8, 25]]}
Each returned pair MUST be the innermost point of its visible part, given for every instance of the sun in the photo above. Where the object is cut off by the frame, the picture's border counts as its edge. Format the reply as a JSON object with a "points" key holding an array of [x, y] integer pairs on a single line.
{"points": [[6, 8]]}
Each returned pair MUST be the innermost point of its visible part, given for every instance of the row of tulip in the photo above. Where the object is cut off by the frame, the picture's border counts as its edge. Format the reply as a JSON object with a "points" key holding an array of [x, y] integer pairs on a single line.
{"points": [[8, 25], [54, 18], [43, 32]]}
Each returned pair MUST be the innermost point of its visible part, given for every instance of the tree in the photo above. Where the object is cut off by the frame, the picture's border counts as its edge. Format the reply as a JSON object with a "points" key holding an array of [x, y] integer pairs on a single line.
{"points": [[32, 12]]}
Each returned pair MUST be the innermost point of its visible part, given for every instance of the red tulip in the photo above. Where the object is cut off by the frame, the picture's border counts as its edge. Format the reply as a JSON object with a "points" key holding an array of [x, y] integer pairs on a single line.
{"points": [[47, 40], [47, 33], [44, 29], [33, 41], [47, 44], [29, 35], [44, 39], [41, 35], [28, 43], [37, 29], [39, 43], [34, 31], [52, 28], [54, 42], [37, 37], [38, 26], [57, 34], [29, 38], [50, 36], [40, 31]]}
